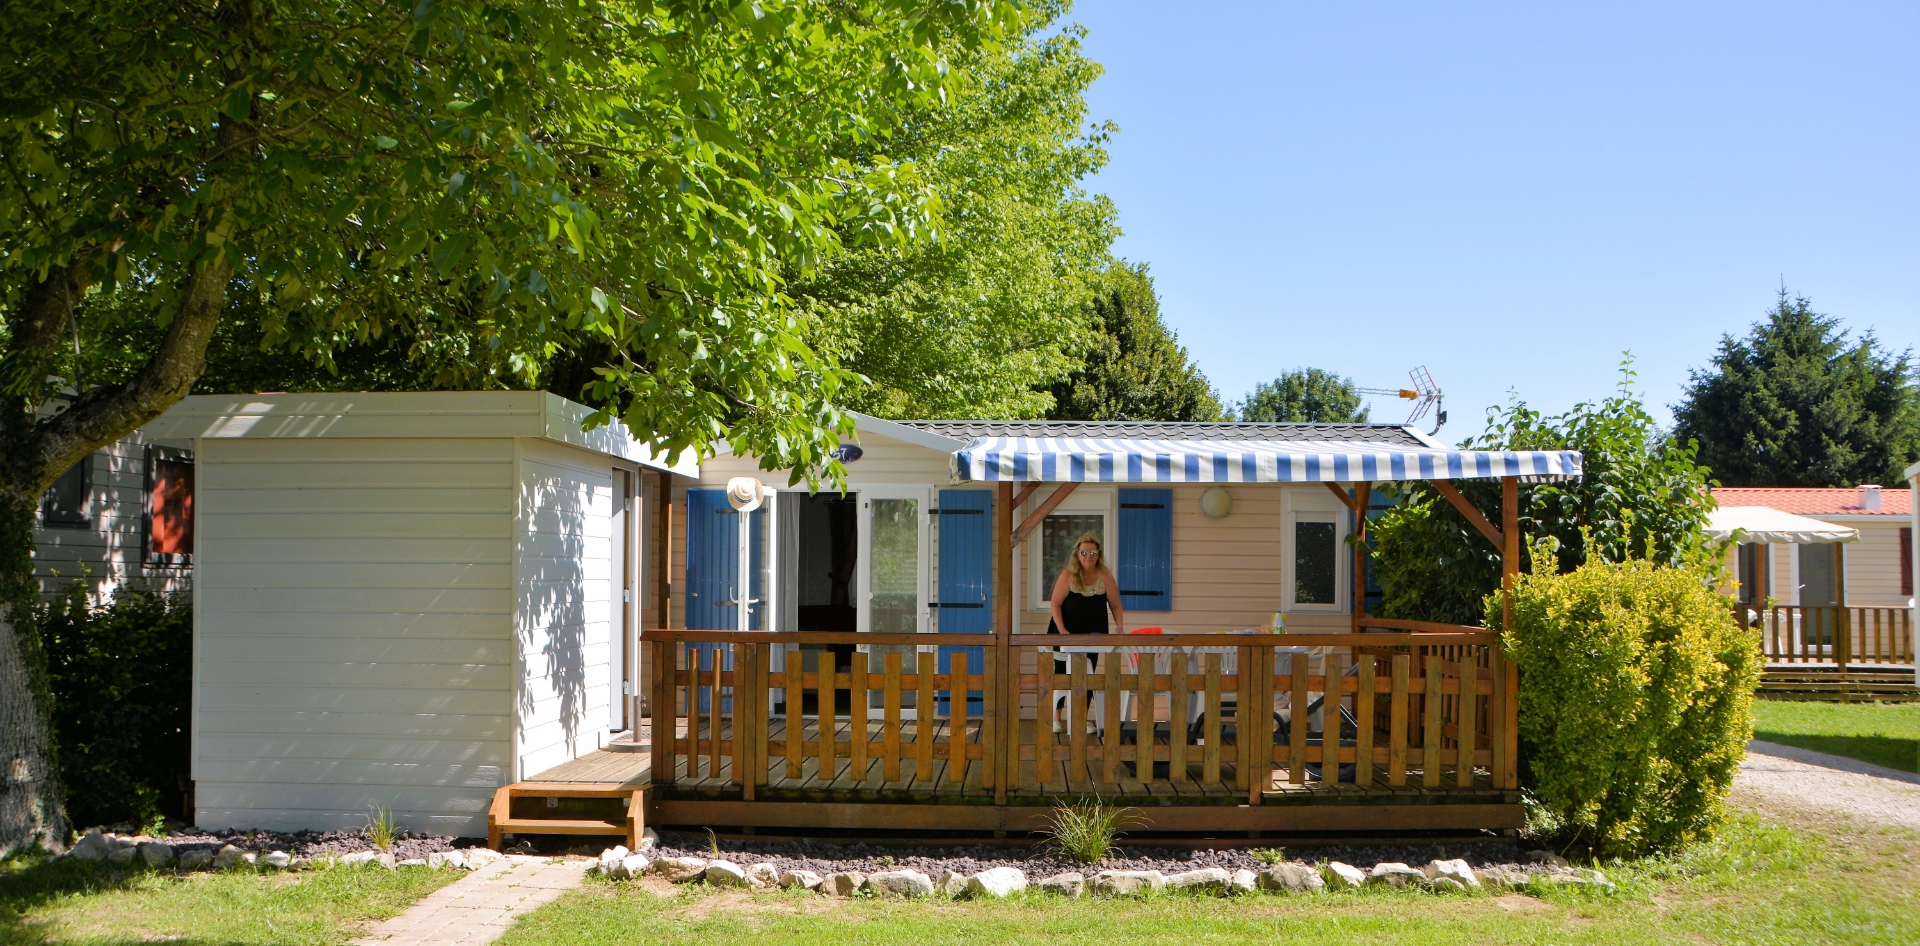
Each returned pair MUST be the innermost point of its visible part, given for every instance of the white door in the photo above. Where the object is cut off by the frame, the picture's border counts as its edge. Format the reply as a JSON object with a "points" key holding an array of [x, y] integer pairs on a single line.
{"points": [[895, 564]]}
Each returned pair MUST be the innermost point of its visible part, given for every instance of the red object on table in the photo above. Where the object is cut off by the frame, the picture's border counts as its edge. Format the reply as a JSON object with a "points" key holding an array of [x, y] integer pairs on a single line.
{"points": [[1145, 630]]}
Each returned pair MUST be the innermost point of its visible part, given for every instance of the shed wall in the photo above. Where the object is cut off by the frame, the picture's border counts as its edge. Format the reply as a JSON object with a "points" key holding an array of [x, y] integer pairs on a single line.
{"points": [[1873, 564], [353, 643], [564, 603]]}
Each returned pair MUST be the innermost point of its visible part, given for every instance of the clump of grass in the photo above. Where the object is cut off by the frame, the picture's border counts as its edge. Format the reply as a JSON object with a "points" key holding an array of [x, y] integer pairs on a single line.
{"points": [[381, 829], [884, 860], [713, 844], [1269, 855], [1085, 830]]}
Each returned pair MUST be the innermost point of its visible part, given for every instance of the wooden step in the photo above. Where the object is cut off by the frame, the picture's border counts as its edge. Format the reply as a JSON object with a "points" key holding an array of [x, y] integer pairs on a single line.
{"points": [[500, 820]]}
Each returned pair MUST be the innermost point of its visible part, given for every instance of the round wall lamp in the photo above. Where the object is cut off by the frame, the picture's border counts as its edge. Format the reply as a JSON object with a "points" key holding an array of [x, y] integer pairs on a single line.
{"points": [[1216, 503]]}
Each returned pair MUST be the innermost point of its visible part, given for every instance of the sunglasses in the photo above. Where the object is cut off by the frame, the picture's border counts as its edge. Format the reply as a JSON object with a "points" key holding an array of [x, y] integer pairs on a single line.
{"points": [[1094, 554]]}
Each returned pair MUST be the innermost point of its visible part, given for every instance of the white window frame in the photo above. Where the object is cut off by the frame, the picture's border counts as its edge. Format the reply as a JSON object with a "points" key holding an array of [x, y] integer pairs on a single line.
{"points": [[863, 590], [1084, 500], [1301, 504]]}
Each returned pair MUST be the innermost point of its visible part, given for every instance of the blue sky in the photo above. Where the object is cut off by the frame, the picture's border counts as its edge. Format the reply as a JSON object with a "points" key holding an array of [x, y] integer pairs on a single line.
{"points": [[1511, 194]]}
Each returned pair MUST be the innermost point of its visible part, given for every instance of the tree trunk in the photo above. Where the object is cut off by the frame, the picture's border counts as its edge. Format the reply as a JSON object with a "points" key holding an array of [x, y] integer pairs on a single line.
{"points": [[34, 452]]}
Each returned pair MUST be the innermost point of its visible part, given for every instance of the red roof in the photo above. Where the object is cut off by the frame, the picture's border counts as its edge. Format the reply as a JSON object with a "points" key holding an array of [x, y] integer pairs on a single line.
{"points": [[1817, 502]]}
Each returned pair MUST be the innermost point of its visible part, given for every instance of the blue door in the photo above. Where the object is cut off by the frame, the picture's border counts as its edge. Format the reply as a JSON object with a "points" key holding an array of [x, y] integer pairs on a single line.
{"points": [[713, 569], [966, 580]]}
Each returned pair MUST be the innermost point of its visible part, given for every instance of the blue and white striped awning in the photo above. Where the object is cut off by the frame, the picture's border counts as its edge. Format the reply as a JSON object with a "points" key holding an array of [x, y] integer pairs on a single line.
{"points": [[1089, 460]]}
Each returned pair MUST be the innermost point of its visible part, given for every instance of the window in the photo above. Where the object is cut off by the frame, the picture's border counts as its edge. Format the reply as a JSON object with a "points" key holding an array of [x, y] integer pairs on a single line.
{"points": [[1906, 561], [1058, 537], [894, 601], [1821, 575], [1047, 549], [169, 504], [65, 505], [1314, 562], [1753, 574]]}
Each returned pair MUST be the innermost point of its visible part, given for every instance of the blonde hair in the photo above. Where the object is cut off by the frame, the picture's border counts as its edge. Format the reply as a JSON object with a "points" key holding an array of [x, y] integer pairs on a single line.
{"points": [[1076, 573]]}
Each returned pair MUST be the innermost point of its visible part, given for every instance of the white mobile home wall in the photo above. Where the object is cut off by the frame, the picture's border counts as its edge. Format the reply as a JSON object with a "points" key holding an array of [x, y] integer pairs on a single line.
{"points": [[401, 601]]}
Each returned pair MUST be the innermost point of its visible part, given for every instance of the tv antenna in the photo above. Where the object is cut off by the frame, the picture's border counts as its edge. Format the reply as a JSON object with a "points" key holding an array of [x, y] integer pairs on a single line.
{"points": [[1425, 395]]}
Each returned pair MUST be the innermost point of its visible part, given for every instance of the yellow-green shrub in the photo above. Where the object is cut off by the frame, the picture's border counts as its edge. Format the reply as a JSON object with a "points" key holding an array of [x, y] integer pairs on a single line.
{"points": [[1636, 689]]}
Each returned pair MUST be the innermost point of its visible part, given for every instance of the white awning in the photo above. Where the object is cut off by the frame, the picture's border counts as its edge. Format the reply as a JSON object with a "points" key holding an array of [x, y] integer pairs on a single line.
{"points": [[1765, 524], [1091, 460]]}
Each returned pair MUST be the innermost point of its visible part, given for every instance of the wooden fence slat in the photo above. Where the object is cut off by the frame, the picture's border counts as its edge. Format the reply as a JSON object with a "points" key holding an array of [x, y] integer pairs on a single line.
{"points": [[857, 751], [1144, 694], [1331, 721], [1210, 751], [796, 720], [957, 716], [890, 724], [1510, 728], [742, 718], [925, 718], [663, 714], [1077, 721], [694, 755], [1430, 731], [1397, 722], [716, 710], [990, 728], [1469, 700], [1110, 743], [1044, 721], [1497, 717], [1243, 716], [1298, 668], [1364, 702], [1178, 718], [1259, 728]]}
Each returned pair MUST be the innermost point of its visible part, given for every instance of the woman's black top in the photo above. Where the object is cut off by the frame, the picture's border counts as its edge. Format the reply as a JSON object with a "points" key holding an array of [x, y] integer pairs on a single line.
{"points": [[1084, 611]]}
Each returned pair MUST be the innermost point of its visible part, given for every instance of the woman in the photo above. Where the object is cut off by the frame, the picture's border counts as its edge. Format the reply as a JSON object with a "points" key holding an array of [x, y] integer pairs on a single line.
{"points": [[1082, 595]]}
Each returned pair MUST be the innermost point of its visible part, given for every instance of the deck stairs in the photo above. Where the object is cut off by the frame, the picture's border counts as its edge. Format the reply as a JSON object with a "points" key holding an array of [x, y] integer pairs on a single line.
{"points": [[566, 808]]}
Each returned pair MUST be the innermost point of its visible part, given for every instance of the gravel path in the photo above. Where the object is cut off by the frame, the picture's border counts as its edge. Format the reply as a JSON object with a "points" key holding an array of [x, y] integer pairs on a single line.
{"points": [[1848, 786]]}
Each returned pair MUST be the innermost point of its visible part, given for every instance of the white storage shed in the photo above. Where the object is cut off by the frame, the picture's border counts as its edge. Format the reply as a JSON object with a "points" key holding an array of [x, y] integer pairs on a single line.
{"points": [[406, 600]]}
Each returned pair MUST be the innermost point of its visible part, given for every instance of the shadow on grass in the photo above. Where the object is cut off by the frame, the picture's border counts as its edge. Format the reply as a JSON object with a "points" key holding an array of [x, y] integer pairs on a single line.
{"points": [[1892, 752], [31, 881]]}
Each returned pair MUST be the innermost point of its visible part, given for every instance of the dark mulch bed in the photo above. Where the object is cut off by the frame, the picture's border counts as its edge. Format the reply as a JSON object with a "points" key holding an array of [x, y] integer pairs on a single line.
{"points": [[308, 843]]}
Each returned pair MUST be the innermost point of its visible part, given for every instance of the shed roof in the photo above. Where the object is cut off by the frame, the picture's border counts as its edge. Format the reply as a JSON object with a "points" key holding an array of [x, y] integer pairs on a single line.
{"points": [[1809, 501]]}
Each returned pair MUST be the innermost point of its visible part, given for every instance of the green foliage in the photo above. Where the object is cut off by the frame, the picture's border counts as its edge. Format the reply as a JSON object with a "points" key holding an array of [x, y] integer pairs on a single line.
{"points": [[496, 181], [1269, 855], [381, 829], [974, 324], [1796, 404], [1637, 703], [1306, 395], [1640, 497], [1135, 368], [121, 679], [1085, 830]]}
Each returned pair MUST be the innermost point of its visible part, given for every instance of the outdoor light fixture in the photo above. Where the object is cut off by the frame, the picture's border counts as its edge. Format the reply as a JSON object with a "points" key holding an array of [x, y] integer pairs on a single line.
{"points": [[1216, 502]]}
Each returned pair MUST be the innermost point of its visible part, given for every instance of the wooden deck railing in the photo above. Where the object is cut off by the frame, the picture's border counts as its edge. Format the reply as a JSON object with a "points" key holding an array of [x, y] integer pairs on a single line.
{"points": [[1175, 715], [1844, 636]]}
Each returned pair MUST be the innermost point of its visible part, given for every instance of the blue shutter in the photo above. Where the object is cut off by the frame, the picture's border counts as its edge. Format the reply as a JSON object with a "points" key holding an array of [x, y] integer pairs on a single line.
{"points": [[1144, 560], [966, 579], [713, 569]]}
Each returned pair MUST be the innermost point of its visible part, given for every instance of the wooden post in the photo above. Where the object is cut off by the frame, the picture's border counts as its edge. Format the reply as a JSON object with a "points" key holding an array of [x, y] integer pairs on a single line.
{"points": [[661, 710], [1006, 708], [1362, 494], [1510, 545]]}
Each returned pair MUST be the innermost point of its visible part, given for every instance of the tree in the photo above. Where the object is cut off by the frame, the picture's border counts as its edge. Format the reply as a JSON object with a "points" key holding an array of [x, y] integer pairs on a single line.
{"points": [[497, 181], [1796, 404], [977, 324], [1640, 497], [1134, 366], [1306, 395]]}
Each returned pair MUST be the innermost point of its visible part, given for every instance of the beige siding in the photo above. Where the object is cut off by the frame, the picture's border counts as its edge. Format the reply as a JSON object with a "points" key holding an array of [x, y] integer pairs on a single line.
{"points": [[1226, 572], [110, 551], [566, 501], [1873, 564], [353, 641]]}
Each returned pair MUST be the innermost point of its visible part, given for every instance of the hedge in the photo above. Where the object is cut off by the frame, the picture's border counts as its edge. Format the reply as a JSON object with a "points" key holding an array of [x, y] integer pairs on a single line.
{"points": [[121, 678], [1635, 702]]}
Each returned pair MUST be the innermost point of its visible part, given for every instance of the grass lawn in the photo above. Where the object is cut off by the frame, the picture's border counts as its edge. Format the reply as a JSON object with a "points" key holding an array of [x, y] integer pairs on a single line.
{"points": [[1881, 733], [62, 901], [1765, 881]]}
